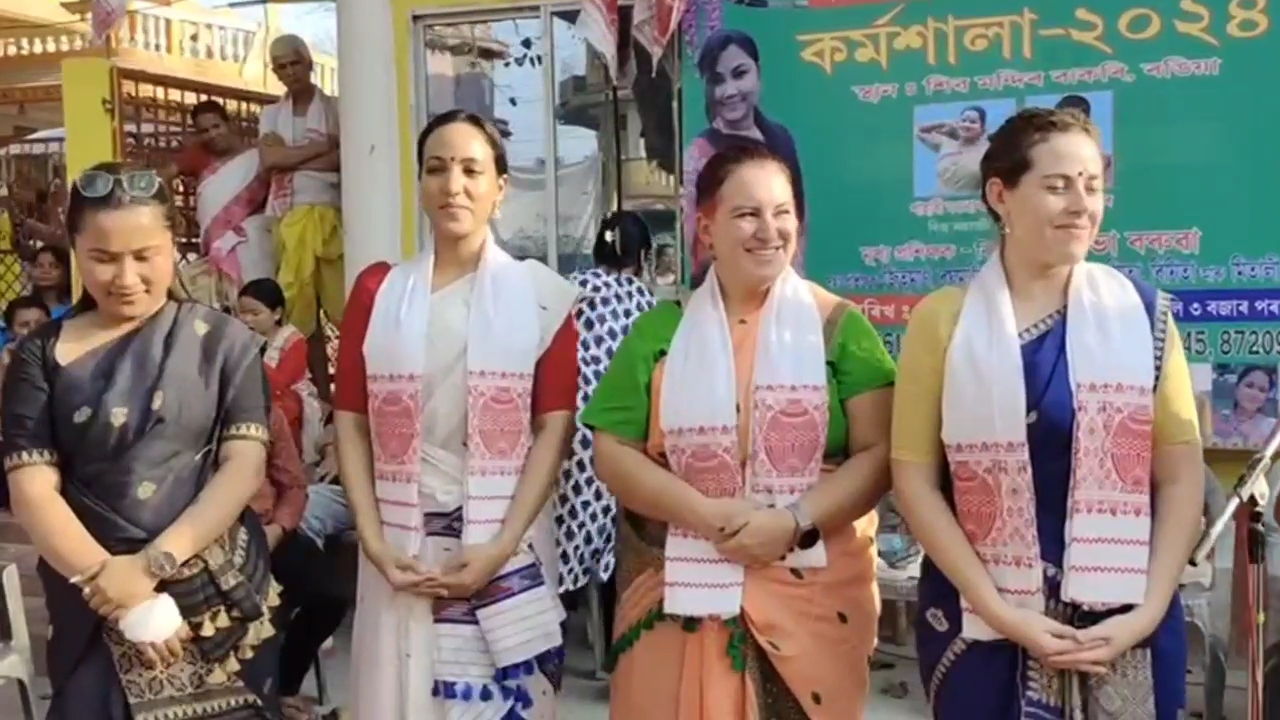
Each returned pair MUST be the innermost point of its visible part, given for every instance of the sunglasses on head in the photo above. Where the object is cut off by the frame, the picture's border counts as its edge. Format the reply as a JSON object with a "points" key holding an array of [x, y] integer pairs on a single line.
{"points": [[135, 183]]}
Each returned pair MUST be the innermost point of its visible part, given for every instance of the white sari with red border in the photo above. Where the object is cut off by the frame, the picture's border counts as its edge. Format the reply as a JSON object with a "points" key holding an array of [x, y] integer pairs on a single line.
{"points": [[450, 381], [984, 431]]}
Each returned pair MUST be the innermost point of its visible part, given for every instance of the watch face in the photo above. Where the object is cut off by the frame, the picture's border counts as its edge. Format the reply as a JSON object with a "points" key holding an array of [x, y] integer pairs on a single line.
{"points": [[162, 564], [808, 539]]}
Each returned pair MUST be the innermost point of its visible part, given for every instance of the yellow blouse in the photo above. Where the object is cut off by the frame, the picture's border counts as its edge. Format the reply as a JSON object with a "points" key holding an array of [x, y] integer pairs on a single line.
{"points": [[917, 398]]}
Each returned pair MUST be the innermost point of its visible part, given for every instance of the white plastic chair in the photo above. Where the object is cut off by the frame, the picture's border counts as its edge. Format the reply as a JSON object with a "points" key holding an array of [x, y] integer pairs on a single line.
{"points": [[15, 642]]}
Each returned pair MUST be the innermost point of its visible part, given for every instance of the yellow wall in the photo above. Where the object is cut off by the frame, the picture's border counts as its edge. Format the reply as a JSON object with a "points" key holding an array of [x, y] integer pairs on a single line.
{"points": [[403, 12], [88, 101], [89, 117]]}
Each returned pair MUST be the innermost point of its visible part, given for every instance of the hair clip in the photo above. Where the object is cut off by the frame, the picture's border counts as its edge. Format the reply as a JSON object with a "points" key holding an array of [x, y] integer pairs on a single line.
{"points": [[614, 238]]}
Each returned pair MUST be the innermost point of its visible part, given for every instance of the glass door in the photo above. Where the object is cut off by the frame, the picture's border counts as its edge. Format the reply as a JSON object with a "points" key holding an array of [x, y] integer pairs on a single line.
{"points": [[496, 65], [574, 153]]}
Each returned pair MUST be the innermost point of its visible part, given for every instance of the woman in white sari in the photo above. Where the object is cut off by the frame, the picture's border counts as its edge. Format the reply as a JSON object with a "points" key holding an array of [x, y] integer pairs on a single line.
{"points": [[456, 386]]}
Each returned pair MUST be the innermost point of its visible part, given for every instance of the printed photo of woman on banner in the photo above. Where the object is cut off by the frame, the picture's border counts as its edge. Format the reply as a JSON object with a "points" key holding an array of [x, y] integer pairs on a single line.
{"points": [[951, 138], [1237, 403], [729, 64]]}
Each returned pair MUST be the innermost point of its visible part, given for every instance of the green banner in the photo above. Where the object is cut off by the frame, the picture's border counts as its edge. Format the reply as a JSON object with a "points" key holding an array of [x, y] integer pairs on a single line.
{"points": [[883, 108]]}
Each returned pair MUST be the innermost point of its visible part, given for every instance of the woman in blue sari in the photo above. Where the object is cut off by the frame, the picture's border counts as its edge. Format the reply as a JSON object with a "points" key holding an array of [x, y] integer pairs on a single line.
{"points": [[134, 435], [1056, 513]]}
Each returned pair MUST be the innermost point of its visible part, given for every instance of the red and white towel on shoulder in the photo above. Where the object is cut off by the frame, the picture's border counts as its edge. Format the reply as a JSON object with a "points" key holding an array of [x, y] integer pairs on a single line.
{"points": [[518, 615], [302, 187], [984, 430], [699, 418]]}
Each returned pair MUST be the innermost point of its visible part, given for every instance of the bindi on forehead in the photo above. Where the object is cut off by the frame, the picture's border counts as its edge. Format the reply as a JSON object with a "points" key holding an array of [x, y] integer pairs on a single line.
{"points": [[1085, 174]]}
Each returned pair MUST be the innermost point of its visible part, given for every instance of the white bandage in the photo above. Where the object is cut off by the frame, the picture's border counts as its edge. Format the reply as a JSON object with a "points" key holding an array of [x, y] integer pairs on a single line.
{"points": [[154, 621]]}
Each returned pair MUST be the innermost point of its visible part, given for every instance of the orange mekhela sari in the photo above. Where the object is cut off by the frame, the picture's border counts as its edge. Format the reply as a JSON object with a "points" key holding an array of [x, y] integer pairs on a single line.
{"points": [[798, 651]]}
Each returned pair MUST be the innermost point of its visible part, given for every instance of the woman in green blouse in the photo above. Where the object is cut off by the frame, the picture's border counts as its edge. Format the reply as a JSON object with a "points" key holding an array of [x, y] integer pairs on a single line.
{"points": [[793, 641]]}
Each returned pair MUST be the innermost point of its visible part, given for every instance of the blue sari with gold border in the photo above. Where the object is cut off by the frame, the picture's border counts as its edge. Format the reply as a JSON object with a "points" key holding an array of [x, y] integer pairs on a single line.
{"points": [[967, 680]]}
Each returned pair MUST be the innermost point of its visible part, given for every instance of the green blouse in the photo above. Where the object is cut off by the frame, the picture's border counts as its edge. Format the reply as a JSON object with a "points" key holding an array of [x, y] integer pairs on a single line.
{"points": [[856, 363]]}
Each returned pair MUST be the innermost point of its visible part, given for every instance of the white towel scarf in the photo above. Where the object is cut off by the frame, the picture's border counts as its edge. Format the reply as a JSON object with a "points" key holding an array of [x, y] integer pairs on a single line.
{"points": [[699, 418], [487, 645], [984, 429], [318, 127]]}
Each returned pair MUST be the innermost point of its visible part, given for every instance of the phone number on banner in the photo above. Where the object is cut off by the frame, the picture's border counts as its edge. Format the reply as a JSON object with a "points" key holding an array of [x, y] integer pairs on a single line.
{"points": [[1222, 343]]}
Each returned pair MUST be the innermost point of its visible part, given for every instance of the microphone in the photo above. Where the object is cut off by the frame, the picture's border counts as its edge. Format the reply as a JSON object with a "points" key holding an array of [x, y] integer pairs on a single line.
{"points": [[1252, 485]]}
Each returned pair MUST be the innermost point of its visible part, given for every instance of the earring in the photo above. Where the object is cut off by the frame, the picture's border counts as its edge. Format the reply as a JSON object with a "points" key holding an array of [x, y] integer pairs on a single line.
{"points": [[497, 211]]}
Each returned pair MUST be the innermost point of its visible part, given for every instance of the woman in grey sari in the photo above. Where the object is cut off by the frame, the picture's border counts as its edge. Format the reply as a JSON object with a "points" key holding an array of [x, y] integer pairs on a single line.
{"points": [[134, 435]]}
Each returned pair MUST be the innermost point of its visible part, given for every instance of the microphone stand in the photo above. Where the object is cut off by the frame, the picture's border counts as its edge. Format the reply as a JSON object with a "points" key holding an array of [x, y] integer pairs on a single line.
{"points": [[1252, 491]]}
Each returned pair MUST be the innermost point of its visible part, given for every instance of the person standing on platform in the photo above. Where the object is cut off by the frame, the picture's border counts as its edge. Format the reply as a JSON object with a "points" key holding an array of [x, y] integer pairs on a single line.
{"points": [[745, 433], [306, 201]]}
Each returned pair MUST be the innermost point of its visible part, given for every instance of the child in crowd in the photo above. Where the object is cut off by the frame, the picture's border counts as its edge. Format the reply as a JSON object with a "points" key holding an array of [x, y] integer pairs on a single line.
{"points": [[22, 315]]}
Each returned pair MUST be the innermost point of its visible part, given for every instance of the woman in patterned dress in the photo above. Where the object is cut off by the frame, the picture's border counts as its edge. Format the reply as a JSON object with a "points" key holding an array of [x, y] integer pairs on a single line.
{"points": [[746, 435], [1056, 511], [611, 296]]}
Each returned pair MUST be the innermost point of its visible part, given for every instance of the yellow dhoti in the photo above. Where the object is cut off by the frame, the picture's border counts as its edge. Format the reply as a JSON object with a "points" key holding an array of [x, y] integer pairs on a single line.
{"points": [[309, 245]]}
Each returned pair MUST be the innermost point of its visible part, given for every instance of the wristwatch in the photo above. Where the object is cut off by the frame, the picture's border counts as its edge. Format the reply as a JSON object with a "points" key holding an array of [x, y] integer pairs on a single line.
{"points": [[161, 564], [807, 534]]}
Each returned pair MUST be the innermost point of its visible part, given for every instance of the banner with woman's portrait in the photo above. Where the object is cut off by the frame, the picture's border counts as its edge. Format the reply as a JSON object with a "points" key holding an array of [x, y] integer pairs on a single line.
{"points": [[882, 112]]}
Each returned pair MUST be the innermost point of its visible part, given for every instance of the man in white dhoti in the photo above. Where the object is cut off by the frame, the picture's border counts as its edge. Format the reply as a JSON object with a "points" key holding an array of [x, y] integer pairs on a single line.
{"points": [[306, 201]]}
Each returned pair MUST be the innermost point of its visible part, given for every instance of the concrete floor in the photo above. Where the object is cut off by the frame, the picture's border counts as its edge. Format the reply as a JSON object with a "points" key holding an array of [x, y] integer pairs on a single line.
{"points": [[587, 699]]}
